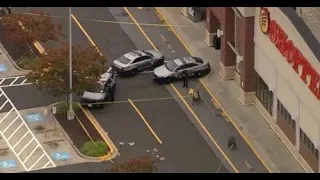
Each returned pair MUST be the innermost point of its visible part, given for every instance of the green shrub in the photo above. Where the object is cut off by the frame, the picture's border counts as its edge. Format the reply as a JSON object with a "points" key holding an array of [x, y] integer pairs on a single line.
{"points": [[62, 108], [97, 149], [27, 61]]}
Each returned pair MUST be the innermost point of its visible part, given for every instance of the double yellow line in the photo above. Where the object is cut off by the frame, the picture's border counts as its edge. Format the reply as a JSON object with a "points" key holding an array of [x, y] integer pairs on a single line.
{"points": [[215, 99], [181, 97]]}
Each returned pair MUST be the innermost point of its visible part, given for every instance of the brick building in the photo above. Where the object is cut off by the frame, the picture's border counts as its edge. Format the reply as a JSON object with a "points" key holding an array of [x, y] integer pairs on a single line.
{"points": [[274, 58]]}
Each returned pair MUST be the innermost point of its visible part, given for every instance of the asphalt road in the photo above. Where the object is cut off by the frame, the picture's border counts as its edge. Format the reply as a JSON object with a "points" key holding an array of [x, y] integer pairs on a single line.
{"points": [[204, 116], [183, 147]]}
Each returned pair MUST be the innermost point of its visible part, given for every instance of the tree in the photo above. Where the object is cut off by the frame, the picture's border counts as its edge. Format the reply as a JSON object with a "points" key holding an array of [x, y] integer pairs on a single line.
{"points": [[51, 71], [143, 164], [26, 28]]}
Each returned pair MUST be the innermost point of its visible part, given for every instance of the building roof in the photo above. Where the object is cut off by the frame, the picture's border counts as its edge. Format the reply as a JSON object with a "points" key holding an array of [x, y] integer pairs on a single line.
{"points": [[311, 16], [306, 32]]}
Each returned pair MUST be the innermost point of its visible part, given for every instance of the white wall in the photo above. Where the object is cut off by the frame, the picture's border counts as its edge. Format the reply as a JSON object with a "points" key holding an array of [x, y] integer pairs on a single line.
{"points": [[289, 87]]}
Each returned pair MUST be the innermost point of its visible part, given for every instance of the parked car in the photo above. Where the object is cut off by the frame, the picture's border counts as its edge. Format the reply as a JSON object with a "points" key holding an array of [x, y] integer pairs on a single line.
{"points": [[137, 61], [172, 70], [103, 92]]}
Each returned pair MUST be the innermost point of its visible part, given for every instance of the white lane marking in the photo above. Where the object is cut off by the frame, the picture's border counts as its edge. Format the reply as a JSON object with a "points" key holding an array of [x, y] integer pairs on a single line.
{"points": [[4, 105], [31, 154], [25, 147], [13, 82], [15, 131], [6, 115], [10, 124], [119, 22], [37, 161], [29, 131], [20, 140], [46, 165]]}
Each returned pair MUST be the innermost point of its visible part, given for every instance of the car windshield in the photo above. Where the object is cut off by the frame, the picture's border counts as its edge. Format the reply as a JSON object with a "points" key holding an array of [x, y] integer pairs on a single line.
{"points": [[171, 65], [124, 60]]}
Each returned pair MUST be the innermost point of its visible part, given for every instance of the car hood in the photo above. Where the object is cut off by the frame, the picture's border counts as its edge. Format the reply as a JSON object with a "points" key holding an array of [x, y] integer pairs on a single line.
{"points": [[118, 63], [162, 71], [156, 54], [93, 96]]}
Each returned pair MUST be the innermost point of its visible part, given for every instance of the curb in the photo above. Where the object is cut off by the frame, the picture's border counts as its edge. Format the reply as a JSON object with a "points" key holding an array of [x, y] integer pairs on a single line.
{"points": [[109, 156], [236, 123], [12, 61], [113, 149]]}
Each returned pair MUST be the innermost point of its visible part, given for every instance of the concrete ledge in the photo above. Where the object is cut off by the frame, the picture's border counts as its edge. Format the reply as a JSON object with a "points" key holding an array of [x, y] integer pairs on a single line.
{"points": [[113, 149], [247, 98], [209, 38], [109, 156], [282, 136], [226, 72]]}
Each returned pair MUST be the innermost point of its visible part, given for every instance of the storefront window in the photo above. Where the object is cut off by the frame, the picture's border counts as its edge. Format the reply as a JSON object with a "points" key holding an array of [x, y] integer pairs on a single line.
{"points": [[264, 95], [283, 114], [308, 144]]}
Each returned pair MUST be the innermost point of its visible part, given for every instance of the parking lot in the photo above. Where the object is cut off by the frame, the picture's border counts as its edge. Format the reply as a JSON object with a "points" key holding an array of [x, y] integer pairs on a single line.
{"points": [[147, 117]]}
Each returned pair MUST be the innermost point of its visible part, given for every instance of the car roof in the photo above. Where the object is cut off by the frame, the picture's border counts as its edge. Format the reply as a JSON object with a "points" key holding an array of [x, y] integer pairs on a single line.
{"points": [[185, 60], [134, 54]]}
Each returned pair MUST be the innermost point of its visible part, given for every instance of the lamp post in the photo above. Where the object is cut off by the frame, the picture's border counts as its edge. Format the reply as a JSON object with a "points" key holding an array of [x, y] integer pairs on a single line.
{"points": [[70, 114]]}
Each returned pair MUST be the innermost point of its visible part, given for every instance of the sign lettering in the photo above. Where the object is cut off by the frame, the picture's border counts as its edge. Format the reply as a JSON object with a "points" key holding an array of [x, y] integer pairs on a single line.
{"points": [[291, 53]]}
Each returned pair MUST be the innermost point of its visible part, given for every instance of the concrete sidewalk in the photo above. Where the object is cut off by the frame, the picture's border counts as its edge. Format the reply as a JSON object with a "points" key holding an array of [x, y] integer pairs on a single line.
{"points": [[252, 123], [7, 66]]}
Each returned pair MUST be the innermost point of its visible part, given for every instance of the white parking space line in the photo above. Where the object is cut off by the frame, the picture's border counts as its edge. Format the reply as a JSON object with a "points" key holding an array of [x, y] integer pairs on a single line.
{"points": [[45, 166], [31, 154], [13, 81], [37, 160], [15, 145], [25, 147], [6, 115], [3, 104], [12, 130], [10, 124]]}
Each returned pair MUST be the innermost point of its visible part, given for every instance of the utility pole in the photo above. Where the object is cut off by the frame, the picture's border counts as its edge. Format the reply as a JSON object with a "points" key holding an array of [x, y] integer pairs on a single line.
{"points": [[70, 114]]}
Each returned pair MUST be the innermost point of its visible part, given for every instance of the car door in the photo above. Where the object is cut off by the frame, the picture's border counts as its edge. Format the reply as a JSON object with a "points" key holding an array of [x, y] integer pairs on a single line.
{"points": [[179, 70], [141, 63], [191, 68]]}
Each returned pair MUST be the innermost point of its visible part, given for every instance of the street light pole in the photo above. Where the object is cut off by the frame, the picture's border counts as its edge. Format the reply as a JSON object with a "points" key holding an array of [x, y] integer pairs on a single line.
{"points": [[70, 114]]}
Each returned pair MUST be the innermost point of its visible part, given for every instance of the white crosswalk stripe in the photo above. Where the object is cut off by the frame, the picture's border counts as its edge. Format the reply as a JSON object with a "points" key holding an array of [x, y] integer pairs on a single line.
{"points": [[22, 142], [13, 81]]}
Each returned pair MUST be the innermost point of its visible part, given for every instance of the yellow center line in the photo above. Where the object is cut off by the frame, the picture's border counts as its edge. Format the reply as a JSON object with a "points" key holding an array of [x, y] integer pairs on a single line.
{"points": [[215, 99], [145, 121], [189, 108], [205, 129], [139, 27], [85, 33]]}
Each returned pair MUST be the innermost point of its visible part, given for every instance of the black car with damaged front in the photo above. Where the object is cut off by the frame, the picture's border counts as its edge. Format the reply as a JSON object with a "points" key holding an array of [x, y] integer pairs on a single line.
{"points": [[103, 92]]}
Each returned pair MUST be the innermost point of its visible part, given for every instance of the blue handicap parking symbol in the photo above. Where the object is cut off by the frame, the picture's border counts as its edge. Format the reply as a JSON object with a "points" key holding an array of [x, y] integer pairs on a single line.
{"points": [[8, 164], [61, 156], [33, 117], [3, 68]]}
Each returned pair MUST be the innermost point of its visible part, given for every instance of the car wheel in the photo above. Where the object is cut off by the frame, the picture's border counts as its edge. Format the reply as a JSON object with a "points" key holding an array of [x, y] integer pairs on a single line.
{"points": [[134, 72], [167, 80]]}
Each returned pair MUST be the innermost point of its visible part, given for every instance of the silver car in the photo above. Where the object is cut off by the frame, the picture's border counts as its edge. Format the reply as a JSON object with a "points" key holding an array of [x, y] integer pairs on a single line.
{"points": [[172, 70], [137, 61]]}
